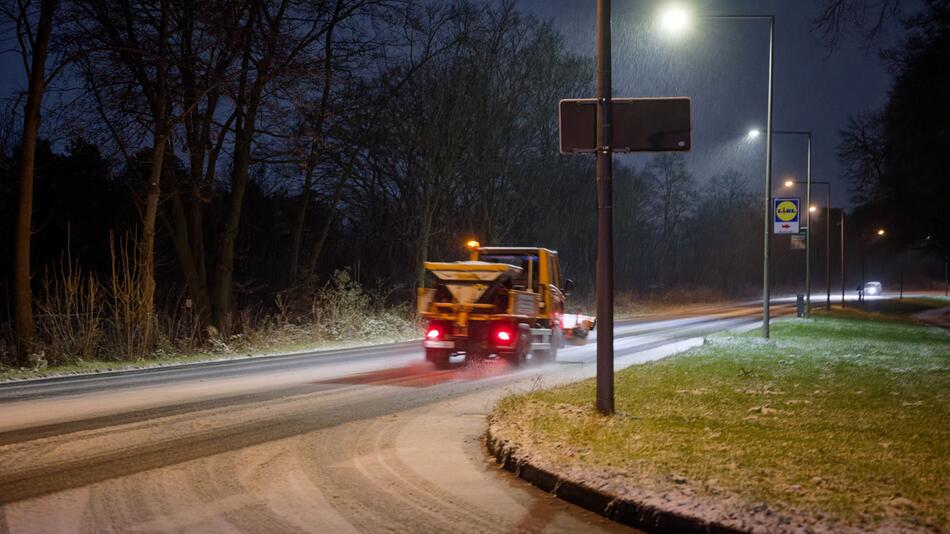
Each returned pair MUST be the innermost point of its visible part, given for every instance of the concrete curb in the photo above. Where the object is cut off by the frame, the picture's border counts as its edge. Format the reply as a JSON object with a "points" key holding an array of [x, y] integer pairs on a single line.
{"points": [[635, 514]]}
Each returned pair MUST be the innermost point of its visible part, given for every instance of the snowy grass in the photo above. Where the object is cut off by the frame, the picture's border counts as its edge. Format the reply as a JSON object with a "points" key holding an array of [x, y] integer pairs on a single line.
{"points": [[843, 421]]}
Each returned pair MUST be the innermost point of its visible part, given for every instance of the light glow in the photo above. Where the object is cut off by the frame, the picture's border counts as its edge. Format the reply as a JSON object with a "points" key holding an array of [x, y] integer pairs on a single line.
{"points": [[754, 133], [813, 209], [503, 335], [472, 244], [674, 19], [880, 232], [789, 183], [433, 333]]}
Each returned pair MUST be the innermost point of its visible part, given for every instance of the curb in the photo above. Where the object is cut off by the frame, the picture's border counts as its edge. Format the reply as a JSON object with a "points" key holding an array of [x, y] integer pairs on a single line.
{"points": [[626, 511]]}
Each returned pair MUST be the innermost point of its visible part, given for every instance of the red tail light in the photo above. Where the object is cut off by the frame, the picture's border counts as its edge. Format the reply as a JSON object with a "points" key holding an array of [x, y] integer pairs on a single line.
{"points": [[504, 336], [433, 333]]}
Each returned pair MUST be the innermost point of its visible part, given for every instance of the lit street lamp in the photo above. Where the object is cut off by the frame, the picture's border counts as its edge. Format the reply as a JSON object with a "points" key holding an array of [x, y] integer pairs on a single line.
{"points": [[814, 209], [807, 134], [675, 19]]}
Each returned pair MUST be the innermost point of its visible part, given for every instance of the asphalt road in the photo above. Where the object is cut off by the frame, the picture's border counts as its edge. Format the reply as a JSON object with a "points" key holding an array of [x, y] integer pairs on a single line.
{"points": [[356, 440]]}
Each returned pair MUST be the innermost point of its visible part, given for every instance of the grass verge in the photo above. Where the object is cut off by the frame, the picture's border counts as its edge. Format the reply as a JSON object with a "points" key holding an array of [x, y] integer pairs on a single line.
{"points": [[834, 423]]}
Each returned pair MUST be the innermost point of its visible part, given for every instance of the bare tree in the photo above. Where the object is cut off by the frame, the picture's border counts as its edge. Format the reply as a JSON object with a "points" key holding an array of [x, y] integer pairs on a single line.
{"points": [[861, 150], [134, 37], [671, 189], [867, 18], [33, 30]]}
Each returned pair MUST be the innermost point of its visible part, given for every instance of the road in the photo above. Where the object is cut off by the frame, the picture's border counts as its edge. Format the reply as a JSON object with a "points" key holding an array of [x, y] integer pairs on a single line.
{"points": [[357, 440]]}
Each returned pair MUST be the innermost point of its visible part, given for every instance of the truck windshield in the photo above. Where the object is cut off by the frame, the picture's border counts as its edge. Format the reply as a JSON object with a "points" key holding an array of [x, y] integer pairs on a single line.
{"points": [[510, 259], [528, 278]]}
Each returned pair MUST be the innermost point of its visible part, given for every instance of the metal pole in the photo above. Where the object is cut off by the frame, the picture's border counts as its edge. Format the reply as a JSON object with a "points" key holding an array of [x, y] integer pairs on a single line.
{"points": [[766, 290], [828, 247], [605, 253], [864, 253], [808, 232], [900, 260], [842, 257]]}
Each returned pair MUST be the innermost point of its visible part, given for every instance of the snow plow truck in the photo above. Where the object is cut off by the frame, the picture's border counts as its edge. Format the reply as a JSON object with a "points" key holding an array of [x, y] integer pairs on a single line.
{"points": [[505, 302]]}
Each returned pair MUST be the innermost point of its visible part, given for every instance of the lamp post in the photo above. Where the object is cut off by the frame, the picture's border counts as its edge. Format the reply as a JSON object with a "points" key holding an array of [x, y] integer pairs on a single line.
{"points": [[807, 216], [676, 19], [790, 183], [842, 257]]}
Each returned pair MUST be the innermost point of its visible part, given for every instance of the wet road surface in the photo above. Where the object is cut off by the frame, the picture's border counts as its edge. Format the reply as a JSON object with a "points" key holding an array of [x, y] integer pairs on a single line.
{"points": [[357, 440]]}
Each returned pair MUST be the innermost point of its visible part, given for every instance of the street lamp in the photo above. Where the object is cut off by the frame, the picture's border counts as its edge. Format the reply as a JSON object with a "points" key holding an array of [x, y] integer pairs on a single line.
{"points": [[675, 19], [814, 209], [754, 133], [807, 134], [881, 232]]}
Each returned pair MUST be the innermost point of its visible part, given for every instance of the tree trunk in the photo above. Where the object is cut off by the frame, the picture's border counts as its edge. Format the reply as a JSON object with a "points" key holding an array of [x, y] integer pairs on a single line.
{"points": [[154, 178], [31, 126], [224, 266], [197, 287], [315, 147], [299, 223], [328, 223]]}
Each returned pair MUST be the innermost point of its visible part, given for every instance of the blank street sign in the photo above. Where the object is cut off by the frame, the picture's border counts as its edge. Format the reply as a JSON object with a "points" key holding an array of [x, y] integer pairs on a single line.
{"points": [[639, 125]]}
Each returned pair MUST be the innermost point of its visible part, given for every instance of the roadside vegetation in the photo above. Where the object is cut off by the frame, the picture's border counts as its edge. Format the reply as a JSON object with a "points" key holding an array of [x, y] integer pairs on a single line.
{"points": [[836, 422], [92, 325]]}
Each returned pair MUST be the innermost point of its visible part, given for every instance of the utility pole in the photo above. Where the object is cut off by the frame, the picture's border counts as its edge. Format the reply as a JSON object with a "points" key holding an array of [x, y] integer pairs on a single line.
{"points": [[842, 257], [766, 287], [828, 248], [808, 232], [605, 252]]}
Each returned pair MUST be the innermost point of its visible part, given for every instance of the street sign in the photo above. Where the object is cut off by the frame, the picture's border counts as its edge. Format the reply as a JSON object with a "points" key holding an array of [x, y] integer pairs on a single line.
{"points": [[785, 215], [638, 125], [797, 242]]}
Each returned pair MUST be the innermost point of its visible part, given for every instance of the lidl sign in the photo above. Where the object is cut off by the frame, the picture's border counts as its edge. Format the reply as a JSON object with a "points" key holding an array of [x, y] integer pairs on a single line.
{"points": [[785, 215]]}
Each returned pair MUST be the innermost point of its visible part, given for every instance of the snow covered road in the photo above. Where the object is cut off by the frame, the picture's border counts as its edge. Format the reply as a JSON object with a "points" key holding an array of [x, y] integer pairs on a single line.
{"points": [[356, 440]]}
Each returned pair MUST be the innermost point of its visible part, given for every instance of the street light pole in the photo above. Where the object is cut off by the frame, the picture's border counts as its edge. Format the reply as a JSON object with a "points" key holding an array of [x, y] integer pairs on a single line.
{"points": [[808, 183], [842, 257], [605, 253], [675, 22], [828, 248], [766, 289], [808, 232]]}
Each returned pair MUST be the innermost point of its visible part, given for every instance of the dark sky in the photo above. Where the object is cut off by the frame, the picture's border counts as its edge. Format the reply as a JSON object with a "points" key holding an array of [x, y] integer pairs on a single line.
{"points": [[722, 66]]}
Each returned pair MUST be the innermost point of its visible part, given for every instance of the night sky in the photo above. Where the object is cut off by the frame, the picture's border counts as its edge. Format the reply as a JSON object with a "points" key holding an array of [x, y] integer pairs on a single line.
{"points": [[723, 66]]}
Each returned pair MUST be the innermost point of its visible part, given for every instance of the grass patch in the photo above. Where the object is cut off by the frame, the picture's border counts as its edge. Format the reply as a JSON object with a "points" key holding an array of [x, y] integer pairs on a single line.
{"points": [[841, 420], [888, 309]]}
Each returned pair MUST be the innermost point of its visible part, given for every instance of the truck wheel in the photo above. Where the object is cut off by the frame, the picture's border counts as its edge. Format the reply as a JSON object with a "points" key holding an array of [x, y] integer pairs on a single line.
{"points": [[522, 347], [438, 358]]}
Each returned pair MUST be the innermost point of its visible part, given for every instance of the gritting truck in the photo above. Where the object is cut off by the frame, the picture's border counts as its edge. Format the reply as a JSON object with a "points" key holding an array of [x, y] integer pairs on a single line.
{"points": [[504, 302]]}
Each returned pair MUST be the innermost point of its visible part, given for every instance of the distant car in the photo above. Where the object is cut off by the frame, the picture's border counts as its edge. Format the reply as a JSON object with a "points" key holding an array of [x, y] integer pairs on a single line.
{"points": [[873, 288]]}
